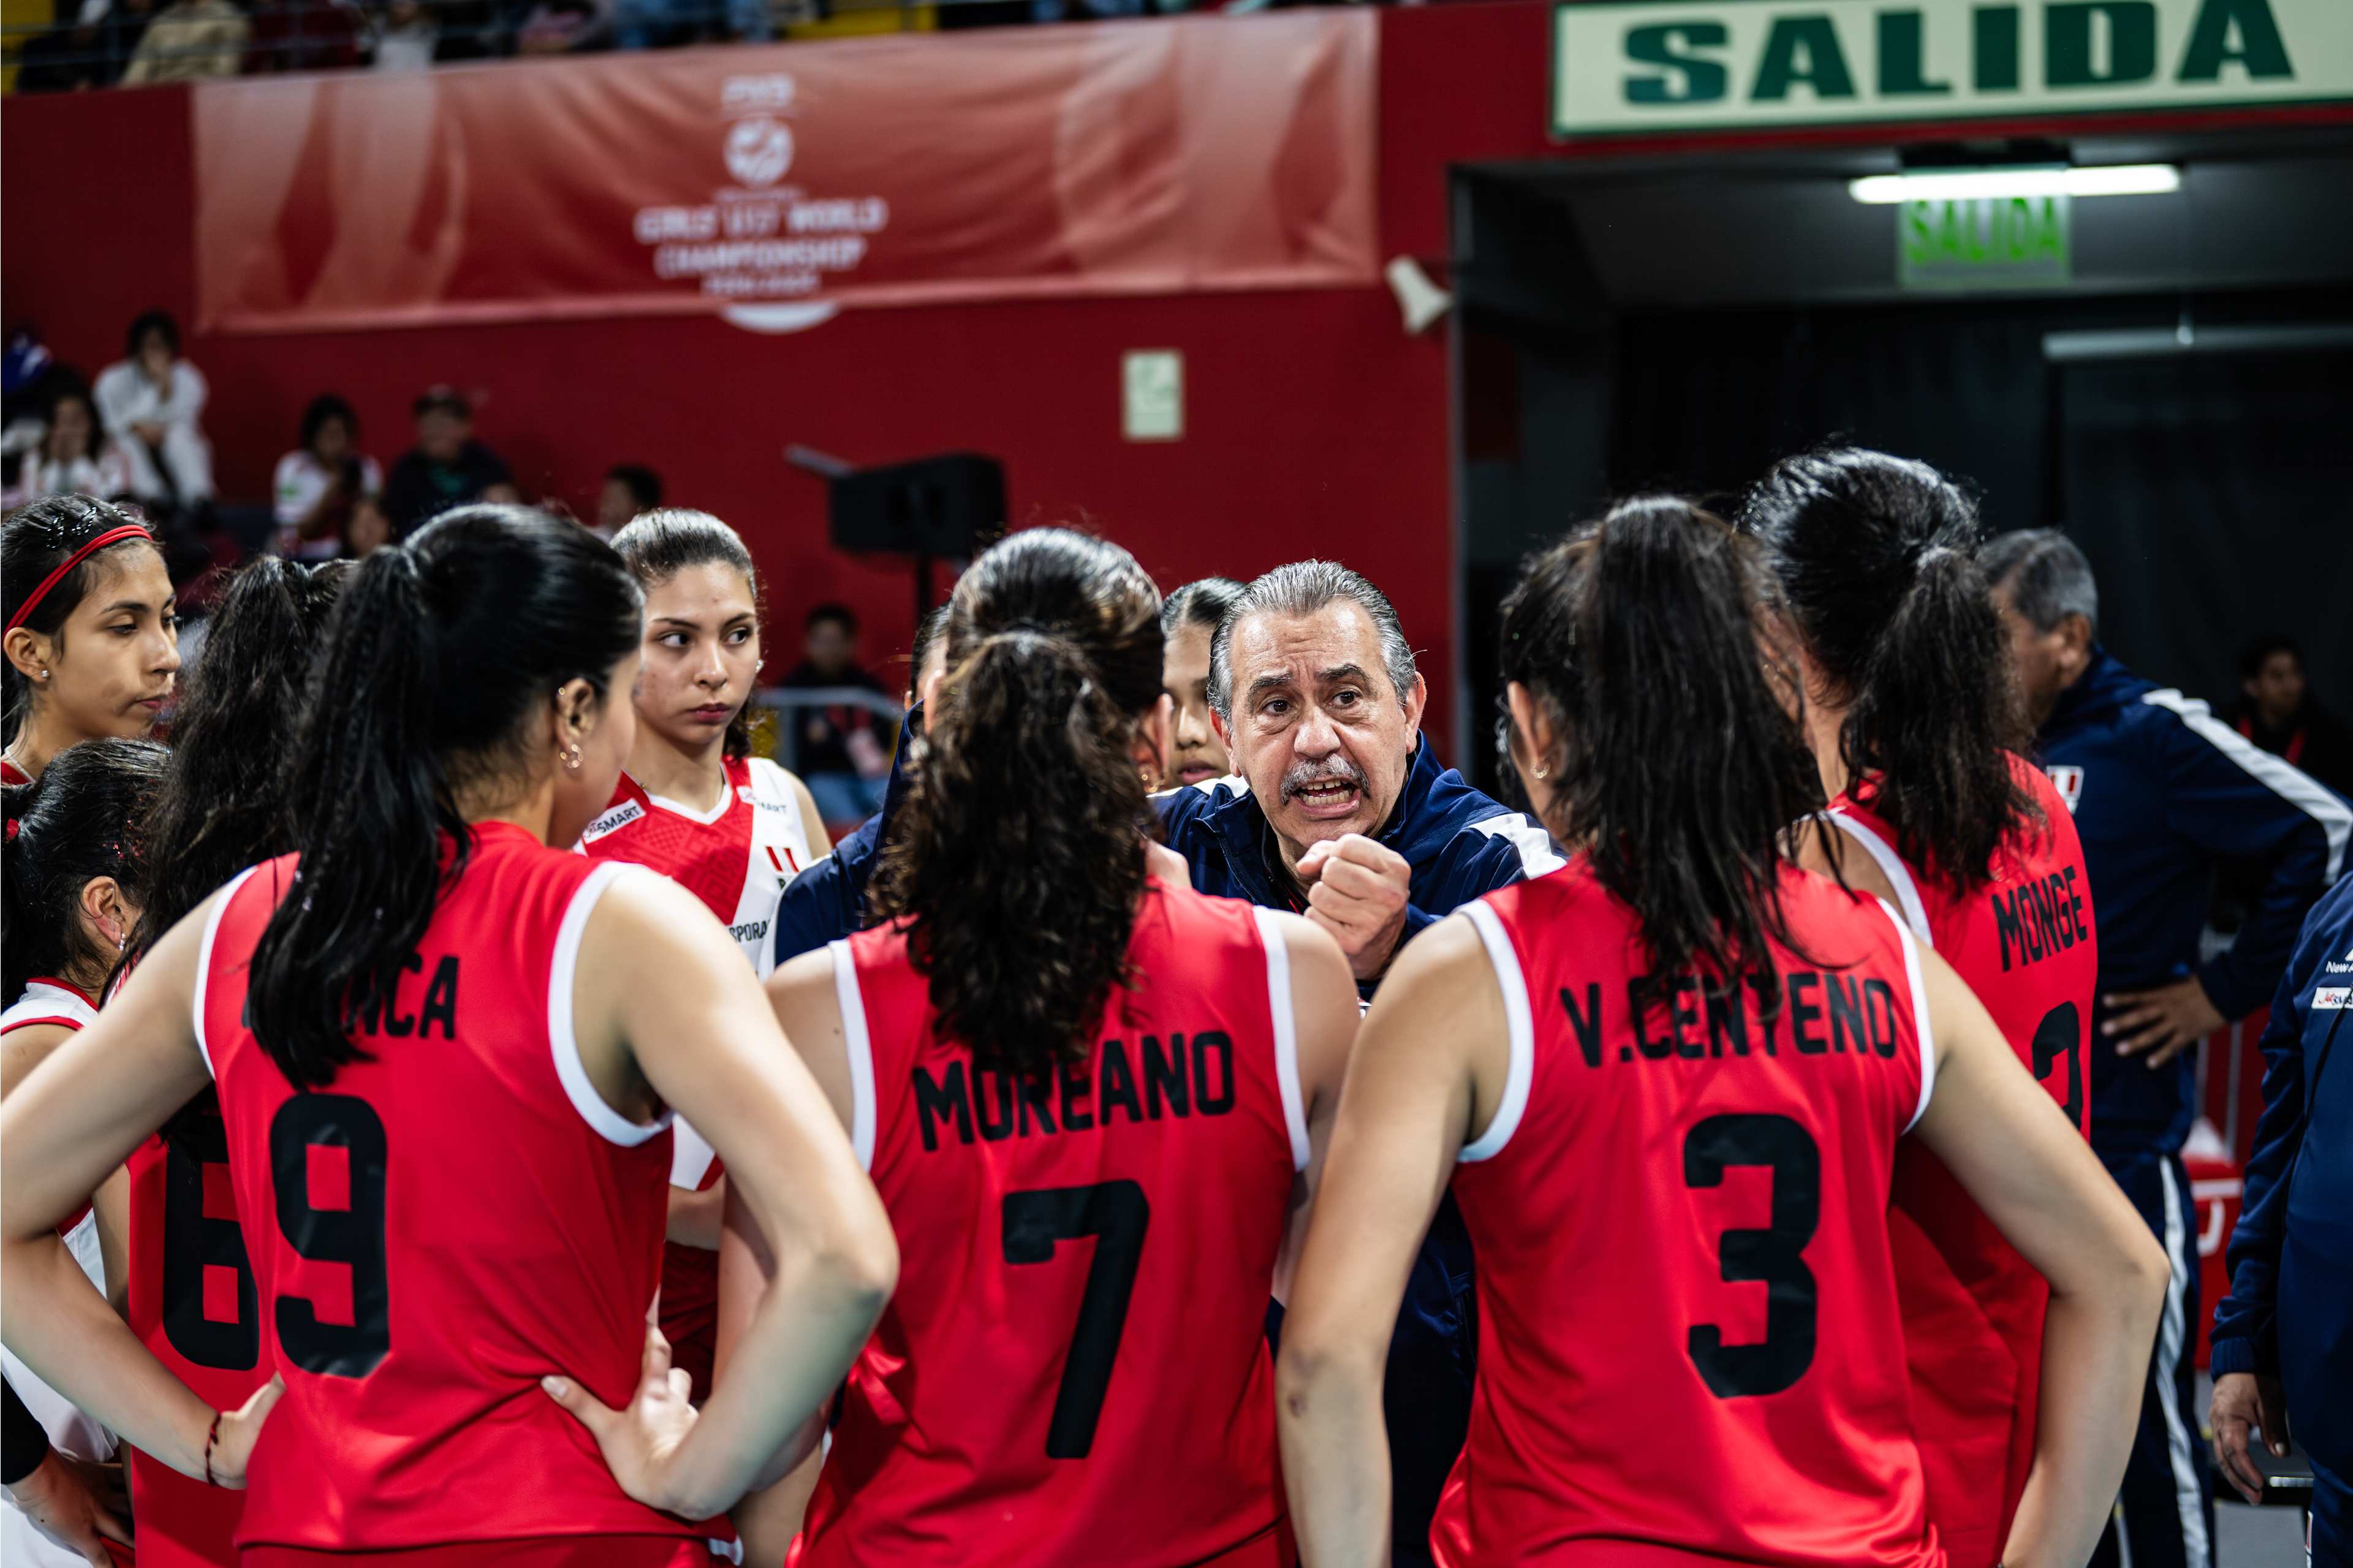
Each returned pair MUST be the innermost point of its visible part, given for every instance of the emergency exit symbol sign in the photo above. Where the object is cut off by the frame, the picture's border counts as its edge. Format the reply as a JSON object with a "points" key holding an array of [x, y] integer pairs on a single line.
{"points": [[1152, 394]]}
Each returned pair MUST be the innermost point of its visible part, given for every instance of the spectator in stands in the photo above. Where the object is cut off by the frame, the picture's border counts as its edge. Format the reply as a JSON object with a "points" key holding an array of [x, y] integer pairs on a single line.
{"points": [[647, 24], [2279, 713], [403, 37], [368, 528], [559, 27], [190, 40], [75, 57], [74, 455], [2159, 790], [93, 50], [842, 754], [629, 488], [447, 466], [149, 403], [318, 481]]}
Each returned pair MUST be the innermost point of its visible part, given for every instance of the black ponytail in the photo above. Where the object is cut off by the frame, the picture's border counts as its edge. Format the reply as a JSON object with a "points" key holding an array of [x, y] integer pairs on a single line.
{"points": [[83, 818], [437, 651], [36, 540], [1021, 857], [1679, 767], [659, 544], [1874, 555]]}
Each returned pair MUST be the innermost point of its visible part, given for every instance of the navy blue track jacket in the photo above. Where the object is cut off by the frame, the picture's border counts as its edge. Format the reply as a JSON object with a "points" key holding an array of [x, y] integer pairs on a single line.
{"points": [[2161, 790], [2291, 1253]]}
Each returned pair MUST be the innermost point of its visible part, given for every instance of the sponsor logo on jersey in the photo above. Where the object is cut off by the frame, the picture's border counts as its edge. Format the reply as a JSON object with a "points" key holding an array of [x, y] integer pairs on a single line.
{"points": [[621, 815], [750, 930], [2068, 780], [2333, 998]]}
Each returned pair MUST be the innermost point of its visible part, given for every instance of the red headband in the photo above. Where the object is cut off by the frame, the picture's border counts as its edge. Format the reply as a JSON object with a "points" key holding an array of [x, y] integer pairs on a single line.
{"points": [[112, 536]]}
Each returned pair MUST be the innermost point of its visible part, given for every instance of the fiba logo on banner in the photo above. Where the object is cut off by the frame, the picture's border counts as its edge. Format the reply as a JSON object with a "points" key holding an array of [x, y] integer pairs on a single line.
{"points": [[759, 238], [759, 150]]}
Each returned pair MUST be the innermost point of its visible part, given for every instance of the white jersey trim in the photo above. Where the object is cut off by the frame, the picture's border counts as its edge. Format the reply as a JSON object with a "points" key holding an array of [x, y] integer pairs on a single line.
{"points": [[691, 1154], [1520, 1074], [2281, 777], [1286, 1032], [679, 808], [1891, 864], [1919, 1011], [859, 1047], [204, 965], [43, 1001], [1538, 855], [608, 1123]]}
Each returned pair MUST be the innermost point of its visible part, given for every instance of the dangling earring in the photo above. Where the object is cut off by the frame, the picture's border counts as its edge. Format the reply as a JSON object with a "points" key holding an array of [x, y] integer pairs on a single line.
{"points": [[1541, 769], [572, 757]]}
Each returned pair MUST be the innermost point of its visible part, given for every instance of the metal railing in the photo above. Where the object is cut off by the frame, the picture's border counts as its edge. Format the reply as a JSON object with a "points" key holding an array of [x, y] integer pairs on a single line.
{"points": [[782, 700]]}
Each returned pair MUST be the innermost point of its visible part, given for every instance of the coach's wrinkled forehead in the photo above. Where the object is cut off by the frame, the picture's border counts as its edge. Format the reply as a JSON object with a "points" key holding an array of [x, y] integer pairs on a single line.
{"points": [[1302, 589]]}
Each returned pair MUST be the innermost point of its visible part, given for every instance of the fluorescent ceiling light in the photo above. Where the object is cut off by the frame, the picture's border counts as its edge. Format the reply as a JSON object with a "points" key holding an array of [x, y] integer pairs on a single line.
{"points": [[1970, 184]]}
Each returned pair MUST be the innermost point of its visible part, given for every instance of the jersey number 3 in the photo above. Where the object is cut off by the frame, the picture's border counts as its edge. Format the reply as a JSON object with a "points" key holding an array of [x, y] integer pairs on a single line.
{"points": [[1116, 1214], [1774, 1255]]}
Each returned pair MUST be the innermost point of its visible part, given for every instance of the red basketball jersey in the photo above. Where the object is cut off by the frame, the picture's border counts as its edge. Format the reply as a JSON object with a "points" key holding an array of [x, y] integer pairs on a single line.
{"points": [[1074, 1368], [192, 1304], [1972, 1307], [737, 859], [440, 1227], [1688, 1339]]}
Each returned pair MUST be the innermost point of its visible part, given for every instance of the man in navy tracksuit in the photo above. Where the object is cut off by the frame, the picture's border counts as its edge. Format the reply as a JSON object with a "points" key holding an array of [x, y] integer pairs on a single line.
{"points": [[2284, 1336], [2159, 790], [1341, 811]]}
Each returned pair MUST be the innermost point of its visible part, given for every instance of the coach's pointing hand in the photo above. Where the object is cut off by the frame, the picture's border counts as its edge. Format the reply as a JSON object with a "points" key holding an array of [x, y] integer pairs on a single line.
{"points": [[1356, 890], [638, 1440]]}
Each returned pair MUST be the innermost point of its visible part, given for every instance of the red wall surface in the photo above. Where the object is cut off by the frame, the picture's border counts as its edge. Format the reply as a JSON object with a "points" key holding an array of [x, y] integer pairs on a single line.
{"points": [[1312, 425]]}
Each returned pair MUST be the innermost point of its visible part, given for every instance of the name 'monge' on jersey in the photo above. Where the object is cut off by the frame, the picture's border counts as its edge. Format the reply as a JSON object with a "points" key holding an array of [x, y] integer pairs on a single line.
{"points": [[1688, 1331], [1973, 1308], [1076, 1352]]}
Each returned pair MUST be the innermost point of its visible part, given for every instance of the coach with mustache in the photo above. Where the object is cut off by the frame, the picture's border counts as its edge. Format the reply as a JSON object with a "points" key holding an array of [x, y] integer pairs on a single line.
{"points": [[1341, 813]]}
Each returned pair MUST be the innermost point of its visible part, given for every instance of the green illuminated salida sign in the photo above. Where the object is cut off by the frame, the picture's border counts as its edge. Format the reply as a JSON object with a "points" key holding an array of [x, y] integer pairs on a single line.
{"points": [[1983, 242], [1633, 66]]}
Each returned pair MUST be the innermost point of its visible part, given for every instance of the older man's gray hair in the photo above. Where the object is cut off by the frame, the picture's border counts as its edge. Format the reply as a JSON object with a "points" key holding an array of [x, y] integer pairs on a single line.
{"points": [[1302, 588], [2047, 576]]}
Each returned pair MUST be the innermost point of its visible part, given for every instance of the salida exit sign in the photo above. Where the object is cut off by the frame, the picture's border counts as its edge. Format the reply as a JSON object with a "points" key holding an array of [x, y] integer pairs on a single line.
{"points": [[1672, 65]]}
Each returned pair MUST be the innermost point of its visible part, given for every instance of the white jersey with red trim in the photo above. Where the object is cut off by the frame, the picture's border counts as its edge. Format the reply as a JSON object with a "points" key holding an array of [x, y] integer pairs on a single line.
{"points": [[70, 1431], [736, 857], [47, 1001]]}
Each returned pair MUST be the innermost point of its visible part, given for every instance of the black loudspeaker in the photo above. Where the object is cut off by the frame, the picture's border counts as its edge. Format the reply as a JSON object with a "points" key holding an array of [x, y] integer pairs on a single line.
{"points": [[943, 506]]}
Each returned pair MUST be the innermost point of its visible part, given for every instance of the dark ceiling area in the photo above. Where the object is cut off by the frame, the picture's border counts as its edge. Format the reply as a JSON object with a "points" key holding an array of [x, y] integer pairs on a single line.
{"points": [[1780, 227]]}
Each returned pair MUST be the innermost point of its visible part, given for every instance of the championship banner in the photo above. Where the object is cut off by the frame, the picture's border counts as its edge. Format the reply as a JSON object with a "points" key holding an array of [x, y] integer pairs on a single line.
{"points": [[779, 183]]}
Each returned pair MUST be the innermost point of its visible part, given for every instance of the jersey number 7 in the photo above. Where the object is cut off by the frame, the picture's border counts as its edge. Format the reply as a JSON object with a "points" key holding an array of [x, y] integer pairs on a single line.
{"points": [[1116, 1214]]}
